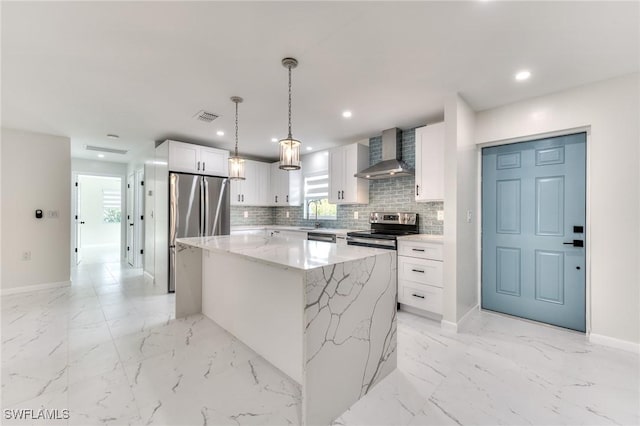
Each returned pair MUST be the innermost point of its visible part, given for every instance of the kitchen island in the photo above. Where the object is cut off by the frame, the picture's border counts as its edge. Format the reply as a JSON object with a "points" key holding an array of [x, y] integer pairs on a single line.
{"points": [[322, 313]]}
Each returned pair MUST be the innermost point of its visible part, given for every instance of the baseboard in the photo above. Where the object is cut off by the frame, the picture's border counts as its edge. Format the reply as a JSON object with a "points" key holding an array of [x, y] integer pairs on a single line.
{"points": [[34, 287], [462, 321], [449, 326], [612, 342], [148, 277], [420, 312]]}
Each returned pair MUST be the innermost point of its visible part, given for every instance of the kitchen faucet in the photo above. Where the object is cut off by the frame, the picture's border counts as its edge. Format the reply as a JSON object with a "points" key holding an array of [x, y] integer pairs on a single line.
{"points": [[315, 202]]}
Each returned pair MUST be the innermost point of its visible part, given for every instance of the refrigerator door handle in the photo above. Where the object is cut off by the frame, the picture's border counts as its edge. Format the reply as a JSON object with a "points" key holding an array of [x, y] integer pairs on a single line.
{"points": [[225, 182], [203, 206]]}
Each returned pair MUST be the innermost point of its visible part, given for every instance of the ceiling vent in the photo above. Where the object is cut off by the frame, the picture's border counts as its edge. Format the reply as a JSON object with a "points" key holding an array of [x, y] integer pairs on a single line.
{"points": [[104, 149], [205, 116]]}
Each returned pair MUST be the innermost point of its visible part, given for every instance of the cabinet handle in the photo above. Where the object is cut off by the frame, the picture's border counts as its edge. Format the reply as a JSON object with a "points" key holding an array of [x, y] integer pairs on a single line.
{"points": [[203, 166], [415, 249], [338, 195], [276, 198], [417, 190], [287, 198], [198, 165], [342, 195], [238, 197], [243, 198], [418, 296], [418, 270]]}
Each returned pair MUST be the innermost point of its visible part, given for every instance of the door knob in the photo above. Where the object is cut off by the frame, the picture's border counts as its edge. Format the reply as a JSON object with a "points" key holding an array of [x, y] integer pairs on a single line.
{"points": [[575, 243], [81, 223]]}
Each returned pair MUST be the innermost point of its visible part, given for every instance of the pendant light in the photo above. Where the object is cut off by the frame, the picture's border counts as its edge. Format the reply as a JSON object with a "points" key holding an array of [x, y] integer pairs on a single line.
{"points": [[236, 164], [289, 147]]}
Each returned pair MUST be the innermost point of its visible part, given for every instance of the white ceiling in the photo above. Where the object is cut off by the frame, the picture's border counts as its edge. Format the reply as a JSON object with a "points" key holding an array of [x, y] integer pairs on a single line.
{"points": [[143, 69]]}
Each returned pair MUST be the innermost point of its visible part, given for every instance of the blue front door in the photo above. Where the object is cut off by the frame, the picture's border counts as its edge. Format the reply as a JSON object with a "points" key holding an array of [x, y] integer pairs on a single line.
{"points": [[533, 226]]}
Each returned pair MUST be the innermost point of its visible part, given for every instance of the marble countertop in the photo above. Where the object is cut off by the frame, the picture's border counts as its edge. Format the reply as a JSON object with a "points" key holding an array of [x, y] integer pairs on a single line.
{"points": [[425, 238], [337, 231], [283, 251]]}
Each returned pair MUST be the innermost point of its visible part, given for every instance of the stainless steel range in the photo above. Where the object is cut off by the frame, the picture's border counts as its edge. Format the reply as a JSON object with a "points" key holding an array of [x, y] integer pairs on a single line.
{"points": [[385, 230]]}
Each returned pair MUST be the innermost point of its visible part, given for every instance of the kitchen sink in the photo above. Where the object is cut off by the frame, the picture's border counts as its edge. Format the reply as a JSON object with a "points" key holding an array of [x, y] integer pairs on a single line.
{"points": [[307, 229]]}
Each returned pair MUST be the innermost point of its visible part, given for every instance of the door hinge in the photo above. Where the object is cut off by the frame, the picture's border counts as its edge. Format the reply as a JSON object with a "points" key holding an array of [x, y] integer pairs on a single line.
{"points": [[76, 183], [127, 248], [142, 217], [141, 183], [128, 217], [76, 249], [128, 186], [76, 217], [141, 251]]}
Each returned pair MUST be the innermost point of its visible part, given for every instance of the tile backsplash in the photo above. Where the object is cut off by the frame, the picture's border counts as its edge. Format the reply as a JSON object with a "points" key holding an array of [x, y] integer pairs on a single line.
{"points": [[388, 195]]}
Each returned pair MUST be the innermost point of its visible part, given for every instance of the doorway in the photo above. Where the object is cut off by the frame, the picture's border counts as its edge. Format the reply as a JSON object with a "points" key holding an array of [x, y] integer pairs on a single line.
{"points": [[98, 219], [533, 230]]}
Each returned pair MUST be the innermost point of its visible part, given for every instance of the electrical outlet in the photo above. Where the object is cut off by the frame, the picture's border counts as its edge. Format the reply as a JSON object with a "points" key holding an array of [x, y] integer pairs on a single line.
{"points": [[246, 214], [287, 214], [440, 214], [355, 215], [26, 255], [468, 216]]}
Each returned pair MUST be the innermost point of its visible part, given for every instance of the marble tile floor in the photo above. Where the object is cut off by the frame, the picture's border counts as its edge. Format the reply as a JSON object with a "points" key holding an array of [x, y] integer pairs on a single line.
{"points": [[109, 350]]}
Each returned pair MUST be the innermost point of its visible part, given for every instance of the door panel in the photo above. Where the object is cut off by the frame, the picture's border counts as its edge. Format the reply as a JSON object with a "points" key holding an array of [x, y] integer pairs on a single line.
{"points": [[533, 194], [130, 220], [216, 212]]}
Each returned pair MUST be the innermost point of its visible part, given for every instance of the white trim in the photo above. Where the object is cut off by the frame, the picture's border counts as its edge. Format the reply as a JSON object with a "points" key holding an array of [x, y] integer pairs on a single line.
{"points": [[420, 312], [462, 321], [612, 342], [33, 287], [148, 277], [449, 326]]}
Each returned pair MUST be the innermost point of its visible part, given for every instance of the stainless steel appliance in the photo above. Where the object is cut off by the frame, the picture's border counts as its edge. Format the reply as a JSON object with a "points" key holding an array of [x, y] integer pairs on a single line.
{"points": [[198, 207], [385, 230], [320, 236]]}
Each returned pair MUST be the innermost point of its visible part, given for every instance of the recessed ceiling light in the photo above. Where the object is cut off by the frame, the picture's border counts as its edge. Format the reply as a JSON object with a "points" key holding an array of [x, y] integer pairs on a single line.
{"points": [[112, 136], [220, 133], [101, 155], [523, 75], [346, 114], [274, 139], [309, 148]]}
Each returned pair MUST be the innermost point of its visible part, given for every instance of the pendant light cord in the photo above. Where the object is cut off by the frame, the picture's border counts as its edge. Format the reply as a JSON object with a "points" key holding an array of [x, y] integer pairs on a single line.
{"points": [[289, 102], [236, 128]]}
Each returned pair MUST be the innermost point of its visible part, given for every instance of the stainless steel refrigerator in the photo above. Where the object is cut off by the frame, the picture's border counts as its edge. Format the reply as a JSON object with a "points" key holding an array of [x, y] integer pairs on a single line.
{"points": [[198, 207]]}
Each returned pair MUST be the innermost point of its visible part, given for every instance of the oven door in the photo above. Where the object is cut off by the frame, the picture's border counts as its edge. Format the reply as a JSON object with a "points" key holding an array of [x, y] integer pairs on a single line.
{"points": [[372, 242]]}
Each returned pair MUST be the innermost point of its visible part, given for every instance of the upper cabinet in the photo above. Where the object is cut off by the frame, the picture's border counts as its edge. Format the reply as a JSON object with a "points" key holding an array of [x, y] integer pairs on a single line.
{"points": [[344, 163], [430, 163], [254, 190], [189, 158], [286, 187]]}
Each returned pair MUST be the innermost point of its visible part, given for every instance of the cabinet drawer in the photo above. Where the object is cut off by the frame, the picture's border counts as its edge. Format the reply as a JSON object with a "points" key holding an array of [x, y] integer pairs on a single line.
{"points": [[431, 251], [424, 297], [423, 271]]}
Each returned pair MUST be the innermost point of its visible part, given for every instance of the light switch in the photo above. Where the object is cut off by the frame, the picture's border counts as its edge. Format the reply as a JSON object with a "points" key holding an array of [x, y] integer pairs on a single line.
{"points": [[246, 214], [355, 215], [440, 214], [287, 214]]}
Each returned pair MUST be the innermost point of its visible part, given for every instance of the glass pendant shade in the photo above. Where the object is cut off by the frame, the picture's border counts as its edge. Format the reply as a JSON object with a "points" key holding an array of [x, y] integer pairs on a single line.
{"points": [[290, 154], [236, 168]]}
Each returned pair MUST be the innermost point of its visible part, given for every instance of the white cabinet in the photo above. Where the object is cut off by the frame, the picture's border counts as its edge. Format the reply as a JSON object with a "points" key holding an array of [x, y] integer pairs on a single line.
{"points": [[286, 187], [287, 233], [420, 275], [430, 163], [190, 158], [254, 190], [344, 163]]}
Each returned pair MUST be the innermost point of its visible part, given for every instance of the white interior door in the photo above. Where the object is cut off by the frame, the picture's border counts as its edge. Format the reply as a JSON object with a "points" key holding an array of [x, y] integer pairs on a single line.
{"points": [[130, 220], [78, 223], [139, 219]]}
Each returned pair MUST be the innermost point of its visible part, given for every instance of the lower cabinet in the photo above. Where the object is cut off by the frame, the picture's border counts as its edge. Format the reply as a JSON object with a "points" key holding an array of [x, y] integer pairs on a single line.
{"points": [[420, 275]]}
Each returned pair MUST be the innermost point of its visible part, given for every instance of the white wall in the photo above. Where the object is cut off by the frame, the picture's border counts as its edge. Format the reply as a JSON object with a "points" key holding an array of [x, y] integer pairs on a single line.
{"points": [[461, 251], [611, 110], [36, 174]]}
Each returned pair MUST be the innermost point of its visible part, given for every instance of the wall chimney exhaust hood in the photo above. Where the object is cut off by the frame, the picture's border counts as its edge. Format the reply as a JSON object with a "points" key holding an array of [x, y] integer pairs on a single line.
{"points": [[391, 164]]}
